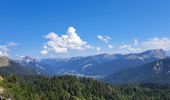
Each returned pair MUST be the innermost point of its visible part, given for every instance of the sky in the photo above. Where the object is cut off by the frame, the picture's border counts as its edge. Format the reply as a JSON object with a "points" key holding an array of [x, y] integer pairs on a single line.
{"points": [[66, 28]]}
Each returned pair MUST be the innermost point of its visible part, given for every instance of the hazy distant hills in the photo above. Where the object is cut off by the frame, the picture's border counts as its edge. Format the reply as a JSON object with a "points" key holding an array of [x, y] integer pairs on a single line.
{"points": [[102, 64], [116, 68], [97, 66], [154, 72]]}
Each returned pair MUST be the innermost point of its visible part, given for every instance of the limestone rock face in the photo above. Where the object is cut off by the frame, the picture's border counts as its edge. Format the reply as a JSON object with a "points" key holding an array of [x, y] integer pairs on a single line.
{"points": [[4, 61]]}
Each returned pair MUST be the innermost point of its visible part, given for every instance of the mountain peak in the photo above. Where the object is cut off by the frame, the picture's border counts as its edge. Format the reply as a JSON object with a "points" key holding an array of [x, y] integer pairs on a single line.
{"points": [[155, 50], [156, 53], [28, 59]]}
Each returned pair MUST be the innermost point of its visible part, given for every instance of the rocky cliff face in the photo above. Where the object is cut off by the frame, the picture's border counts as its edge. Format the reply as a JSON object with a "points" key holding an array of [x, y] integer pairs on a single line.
{"points": [[4, 61]]}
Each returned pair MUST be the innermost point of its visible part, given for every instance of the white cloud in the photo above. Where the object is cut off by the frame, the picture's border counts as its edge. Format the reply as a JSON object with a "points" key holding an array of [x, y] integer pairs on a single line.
{"points": [[136, 42], [52, 36], [104, 38], [4, 49], [89, 47], [45, 47], [64, 43], [157, 43], [71, 41], [129, 48], [110, 46], [10, 44], [98, 48], [19, 56], [153, 43], [44, 52], [124, 46]]}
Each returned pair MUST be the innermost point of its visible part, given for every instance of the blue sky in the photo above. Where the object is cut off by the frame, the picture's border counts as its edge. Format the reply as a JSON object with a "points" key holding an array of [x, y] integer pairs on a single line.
{"points": [[28, 22]]}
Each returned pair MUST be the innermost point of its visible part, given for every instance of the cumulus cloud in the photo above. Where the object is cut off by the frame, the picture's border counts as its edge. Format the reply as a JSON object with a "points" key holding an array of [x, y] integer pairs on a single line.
{"points": [[110, 46], [98, 48], [104, 38], [4, 49], [129, 48], [44, 52], [63, 43], [71, 41], [157, 43]]}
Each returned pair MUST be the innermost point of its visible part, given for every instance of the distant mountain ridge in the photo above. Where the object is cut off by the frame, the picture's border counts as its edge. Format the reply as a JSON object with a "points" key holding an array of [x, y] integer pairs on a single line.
{"points": [[9, 66], [155, 53], [102, 64], [34, 64], [154, 72], [96, 66], [151, 67]]}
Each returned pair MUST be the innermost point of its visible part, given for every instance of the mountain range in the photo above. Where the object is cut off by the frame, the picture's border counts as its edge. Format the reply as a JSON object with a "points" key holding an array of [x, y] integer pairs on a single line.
{"points": [[33, 79], [94, 66], [113, 68], [154, 72]]}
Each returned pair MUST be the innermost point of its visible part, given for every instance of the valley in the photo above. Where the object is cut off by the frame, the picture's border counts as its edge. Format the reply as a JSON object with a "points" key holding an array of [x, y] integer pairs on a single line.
{"points": [[139, 76]]}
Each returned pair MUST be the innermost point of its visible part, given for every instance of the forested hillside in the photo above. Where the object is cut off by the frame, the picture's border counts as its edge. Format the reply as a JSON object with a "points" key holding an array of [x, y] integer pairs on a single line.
{"points": [[76, 88], [57, 88], [154, 72]]}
